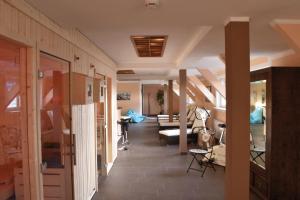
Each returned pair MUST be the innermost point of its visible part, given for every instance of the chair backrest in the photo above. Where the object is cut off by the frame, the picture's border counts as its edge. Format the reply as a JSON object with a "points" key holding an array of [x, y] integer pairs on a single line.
{"points": [[201, 116], [199, 122], [191, 113], [208, 137], [209, 142], [223, 127], [202, 113]]}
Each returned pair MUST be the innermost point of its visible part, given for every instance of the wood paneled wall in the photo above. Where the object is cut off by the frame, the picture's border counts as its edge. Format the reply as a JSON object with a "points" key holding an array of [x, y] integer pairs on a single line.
{"points": [[22, 23]]}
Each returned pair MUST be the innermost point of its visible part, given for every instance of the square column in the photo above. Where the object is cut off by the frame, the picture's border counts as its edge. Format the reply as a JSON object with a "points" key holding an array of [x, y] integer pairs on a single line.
{"points": [[182, 112], [170, 100], [237, 55], [165, 99]]}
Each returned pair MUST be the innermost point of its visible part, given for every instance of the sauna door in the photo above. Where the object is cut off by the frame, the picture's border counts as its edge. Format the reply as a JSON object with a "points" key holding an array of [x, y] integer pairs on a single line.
{"points": [[101, 124], [55, 127], [14, 169]]}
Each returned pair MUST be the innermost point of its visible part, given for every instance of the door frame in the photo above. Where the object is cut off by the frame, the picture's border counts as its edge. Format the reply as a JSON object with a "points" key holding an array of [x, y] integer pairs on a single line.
{"points": [[39, 52], [109, 140], [29, 161], [99, 76]]}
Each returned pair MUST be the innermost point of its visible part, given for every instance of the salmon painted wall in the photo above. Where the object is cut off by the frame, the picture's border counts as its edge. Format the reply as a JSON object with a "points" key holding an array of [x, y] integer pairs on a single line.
{"points": [[150, 104], [135, 102]]}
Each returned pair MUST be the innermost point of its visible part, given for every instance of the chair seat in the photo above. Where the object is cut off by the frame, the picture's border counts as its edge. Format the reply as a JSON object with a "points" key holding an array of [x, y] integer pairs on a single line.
{"points": [[165, 116], [167, 121], [174, 123], [258, 149], [198, 151], [174, 132]]}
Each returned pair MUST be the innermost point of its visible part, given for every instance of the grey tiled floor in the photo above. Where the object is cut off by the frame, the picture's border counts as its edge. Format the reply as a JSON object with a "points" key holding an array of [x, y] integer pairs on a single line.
{"points": [[149, 171]]}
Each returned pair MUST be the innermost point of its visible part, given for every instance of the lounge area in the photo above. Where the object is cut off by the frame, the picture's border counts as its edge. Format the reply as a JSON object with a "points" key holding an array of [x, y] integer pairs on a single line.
{"points": [[199, 132]]}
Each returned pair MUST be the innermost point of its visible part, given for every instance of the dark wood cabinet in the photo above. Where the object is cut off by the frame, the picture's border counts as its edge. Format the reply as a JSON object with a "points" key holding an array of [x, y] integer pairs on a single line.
{"points": [[281, 177]]}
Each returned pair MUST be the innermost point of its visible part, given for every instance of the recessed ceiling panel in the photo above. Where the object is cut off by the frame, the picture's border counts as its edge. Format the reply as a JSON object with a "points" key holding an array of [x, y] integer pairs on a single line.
{"points": [[125, 72], [149, 46]]}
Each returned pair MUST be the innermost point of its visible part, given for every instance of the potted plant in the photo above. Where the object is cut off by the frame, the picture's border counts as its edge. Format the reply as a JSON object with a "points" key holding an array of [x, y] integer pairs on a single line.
{"points": [[160, 99]]}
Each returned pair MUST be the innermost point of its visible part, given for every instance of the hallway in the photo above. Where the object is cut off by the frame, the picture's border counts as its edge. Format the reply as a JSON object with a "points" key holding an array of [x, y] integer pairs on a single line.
{"points": [[151, 171]]}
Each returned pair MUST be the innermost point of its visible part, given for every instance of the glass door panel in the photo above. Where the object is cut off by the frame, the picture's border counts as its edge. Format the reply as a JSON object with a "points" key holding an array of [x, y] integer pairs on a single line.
{"points": [[258, 122], [101, 124], [54, 100]]}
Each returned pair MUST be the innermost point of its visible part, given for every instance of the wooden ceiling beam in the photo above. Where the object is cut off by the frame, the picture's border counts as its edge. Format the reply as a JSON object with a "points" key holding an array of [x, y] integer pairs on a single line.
{"points": [[197, 93], [189, 94], [213, 80], [203, 89]]}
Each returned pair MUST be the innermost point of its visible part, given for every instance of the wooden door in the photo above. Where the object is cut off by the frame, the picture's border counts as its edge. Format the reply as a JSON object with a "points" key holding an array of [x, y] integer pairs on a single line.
{"points": [[14, 167]]}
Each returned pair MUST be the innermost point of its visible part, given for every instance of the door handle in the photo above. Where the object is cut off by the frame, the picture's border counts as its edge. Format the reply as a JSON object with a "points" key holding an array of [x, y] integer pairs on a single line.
{"points": [[74, 148], [43, 166]]}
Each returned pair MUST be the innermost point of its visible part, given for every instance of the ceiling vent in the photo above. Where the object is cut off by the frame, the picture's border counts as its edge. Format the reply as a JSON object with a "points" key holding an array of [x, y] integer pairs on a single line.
{"points": [[151, 3], [125, 72], [149, 46]]}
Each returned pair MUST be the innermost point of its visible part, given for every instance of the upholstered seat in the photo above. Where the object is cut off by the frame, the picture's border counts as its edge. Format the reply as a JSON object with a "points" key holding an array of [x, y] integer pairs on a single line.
{"points": [[198, 151], [174, 132]]}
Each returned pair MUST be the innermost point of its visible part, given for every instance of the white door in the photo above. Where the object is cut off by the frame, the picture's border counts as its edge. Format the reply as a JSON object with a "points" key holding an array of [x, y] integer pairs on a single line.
{"points": [[85, 172]]}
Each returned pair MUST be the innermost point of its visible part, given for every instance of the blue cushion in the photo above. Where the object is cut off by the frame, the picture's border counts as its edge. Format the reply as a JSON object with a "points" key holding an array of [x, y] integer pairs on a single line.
{"points": [[256, 117], [135, 118]]}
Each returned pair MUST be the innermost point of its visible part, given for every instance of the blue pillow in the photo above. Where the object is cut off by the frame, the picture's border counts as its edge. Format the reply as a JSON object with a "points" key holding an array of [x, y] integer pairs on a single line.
{"points": [[256, 117], [135, 118]]}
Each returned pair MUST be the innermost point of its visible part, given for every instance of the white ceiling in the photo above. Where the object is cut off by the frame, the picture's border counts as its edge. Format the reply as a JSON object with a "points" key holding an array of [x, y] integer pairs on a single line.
{"points": [[195, 28]]}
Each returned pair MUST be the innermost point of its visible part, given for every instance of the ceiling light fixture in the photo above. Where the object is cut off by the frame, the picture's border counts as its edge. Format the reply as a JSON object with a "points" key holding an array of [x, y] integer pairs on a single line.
{"points": [[151, 3]]}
